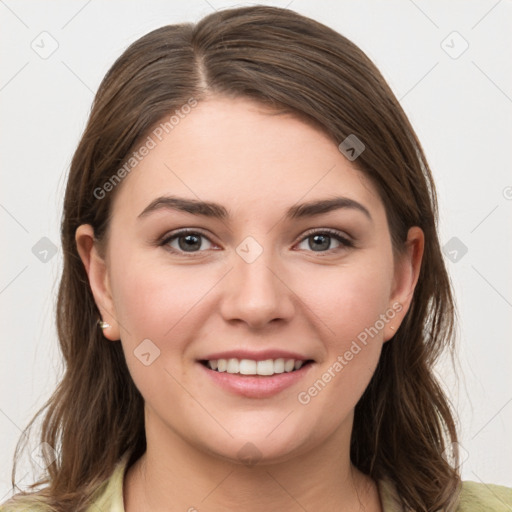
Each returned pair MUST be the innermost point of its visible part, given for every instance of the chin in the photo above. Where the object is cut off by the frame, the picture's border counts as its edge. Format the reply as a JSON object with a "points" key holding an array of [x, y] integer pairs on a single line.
{"points": [[255, 447]]}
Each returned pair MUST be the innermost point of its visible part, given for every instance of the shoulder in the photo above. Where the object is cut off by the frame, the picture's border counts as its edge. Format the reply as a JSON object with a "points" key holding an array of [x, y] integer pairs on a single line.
{"points": [[480, 497], [23, 504], [108, 497], [473, 497]]}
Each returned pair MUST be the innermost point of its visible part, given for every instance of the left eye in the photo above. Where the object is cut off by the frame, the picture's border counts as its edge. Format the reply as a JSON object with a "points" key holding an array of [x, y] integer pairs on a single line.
{"points": [[320, 240], [188, 241]]}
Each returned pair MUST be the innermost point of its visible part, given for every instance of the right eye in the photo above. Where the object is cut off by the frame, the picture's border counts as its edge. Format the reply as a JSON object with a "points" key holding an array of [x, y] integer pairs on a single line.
{"points": [[185, 241]]}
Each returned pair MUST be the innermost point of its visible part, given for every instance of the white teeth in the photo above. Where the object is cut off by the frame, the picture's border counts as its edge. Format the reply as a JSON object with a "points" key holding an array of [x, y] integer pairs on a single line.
{"points": [[265, 367], [279, 365], [289, 366], [233, 366], [247, 367], [251, 367]]}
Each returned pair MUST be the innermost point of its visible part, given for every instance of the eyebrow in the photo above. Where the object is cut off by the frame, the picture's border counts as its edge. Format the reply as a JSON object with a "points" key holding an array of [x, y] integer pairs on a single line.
{"points": [[217, 211]]}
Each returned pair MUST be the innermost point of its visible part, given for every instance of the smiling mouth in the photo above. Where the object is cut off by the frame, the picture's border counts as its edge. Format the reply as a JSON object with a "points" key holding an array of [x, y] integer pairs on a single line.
{"points": [[248, 367]]}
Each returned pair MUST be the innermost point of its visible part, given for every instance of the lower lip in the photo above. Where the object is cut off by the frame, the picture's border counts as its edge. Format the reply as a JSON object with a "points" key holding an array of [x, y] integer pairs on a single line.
{"points": [[256, 386]]}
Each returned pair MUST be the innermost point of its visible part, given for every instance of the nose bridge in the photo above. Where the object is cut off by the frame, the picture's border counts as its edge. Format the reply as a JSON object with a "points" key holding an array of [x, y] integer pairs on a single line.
{"points": [[256, 292]]}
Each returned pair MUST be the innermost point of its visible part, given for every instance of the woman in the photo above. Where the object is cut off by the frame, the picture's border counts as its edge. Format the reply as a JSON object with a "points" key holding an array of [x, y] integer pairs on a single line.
{"points": [[253, 293]]}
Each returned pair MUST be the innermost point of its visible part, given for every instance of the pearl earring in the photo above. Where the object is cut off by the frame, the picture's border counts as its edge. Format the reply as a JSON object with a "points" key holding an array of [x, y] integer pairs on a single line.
{"points": [[103, 325]]}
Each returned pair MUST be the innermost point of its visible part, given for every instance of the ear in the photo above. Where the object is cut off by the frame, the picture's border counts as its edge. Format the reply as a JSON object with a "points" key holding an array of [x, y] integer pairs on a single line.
{"points": [[96, 269], [405, 277]]}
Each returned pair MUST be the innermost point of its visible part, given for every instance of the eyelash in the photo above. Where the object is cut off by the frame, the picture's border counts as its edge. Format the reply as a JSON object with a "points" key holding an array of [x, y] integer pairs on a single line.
{"points": [[344, 241]]}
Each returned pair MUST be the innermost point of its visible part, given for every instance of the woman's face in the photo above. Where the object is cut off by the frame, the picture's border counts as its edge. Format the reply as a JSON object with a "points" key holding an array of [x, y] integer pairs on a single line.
{"points": [[267, 280]]}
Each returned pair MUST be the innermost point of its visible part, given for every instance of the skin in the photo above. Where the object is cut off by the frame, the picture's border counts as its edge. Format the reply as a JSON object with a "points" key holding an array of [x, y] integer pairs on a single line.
{"points": [[292, 297]]}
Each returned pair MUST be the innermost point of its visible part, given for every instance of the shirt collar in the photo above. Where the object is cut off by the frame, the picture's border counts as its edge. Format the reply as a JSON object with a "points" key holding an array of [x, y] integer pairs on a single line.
{"points": [[110, 495]]}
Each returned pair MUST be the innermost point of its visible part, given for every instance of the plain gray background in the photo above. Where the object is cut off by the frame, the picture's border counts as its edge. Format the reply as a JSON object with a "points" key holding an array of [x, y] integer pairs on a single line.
{"points": [[448, 63]]}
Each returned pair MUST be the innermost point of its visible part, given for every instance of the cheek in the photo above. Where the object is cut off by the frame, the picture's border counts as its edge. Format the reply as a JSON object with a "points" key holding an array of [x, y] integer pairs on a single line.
{"points": [[348, 299], [157, 304], [153, 301], [353, 306]]}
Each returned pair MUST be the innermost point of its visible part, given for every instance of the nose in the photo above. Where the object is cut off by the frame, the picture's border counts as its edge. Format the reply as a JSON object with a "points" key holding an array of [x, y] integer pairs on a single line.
{"points": [[257, 293]]}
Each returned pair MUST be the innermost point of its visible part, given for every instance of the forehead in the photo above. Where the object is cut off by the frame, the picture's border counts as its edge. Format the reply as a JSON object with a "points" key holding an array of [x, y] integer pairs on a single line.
{"points": [[245, 156]]}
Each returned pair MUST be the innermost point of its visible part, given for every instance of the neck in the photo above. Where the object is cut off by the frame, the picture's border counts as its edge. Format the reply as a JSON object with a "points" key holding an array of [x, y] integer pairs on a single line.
{"points": [[176, 476]]}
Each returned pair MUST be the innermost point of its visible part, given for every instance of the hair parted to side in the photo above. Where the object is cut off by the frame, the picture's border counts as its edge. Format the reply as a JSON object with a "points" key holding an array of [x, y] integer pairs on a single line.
{"points": [[403, 426]]}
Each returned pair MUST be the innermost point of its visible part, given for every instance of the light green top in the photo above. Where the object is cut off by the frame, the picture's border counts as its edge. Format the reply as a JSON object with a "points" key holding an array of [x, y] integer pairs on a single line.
{"points": [[475, 497]]}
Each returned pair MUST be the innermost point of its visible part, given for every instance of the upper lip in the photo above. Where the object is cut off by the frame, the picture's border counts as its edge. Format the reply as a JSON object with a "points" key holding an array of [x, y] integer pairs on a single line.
{"points": [[255, 356]]}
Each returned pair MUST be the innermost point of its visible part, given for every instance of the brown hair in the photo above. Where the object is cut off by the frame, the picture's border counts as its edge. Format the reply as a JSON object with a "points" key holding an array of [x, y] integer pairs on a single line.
{"points": [[403, 427]]}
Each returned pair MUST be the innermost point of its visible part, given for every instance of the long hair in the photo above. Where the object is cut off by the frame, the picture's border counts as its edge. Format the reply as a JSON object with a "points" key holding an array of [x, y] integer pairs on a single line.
{"points": [[403, 427]]}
